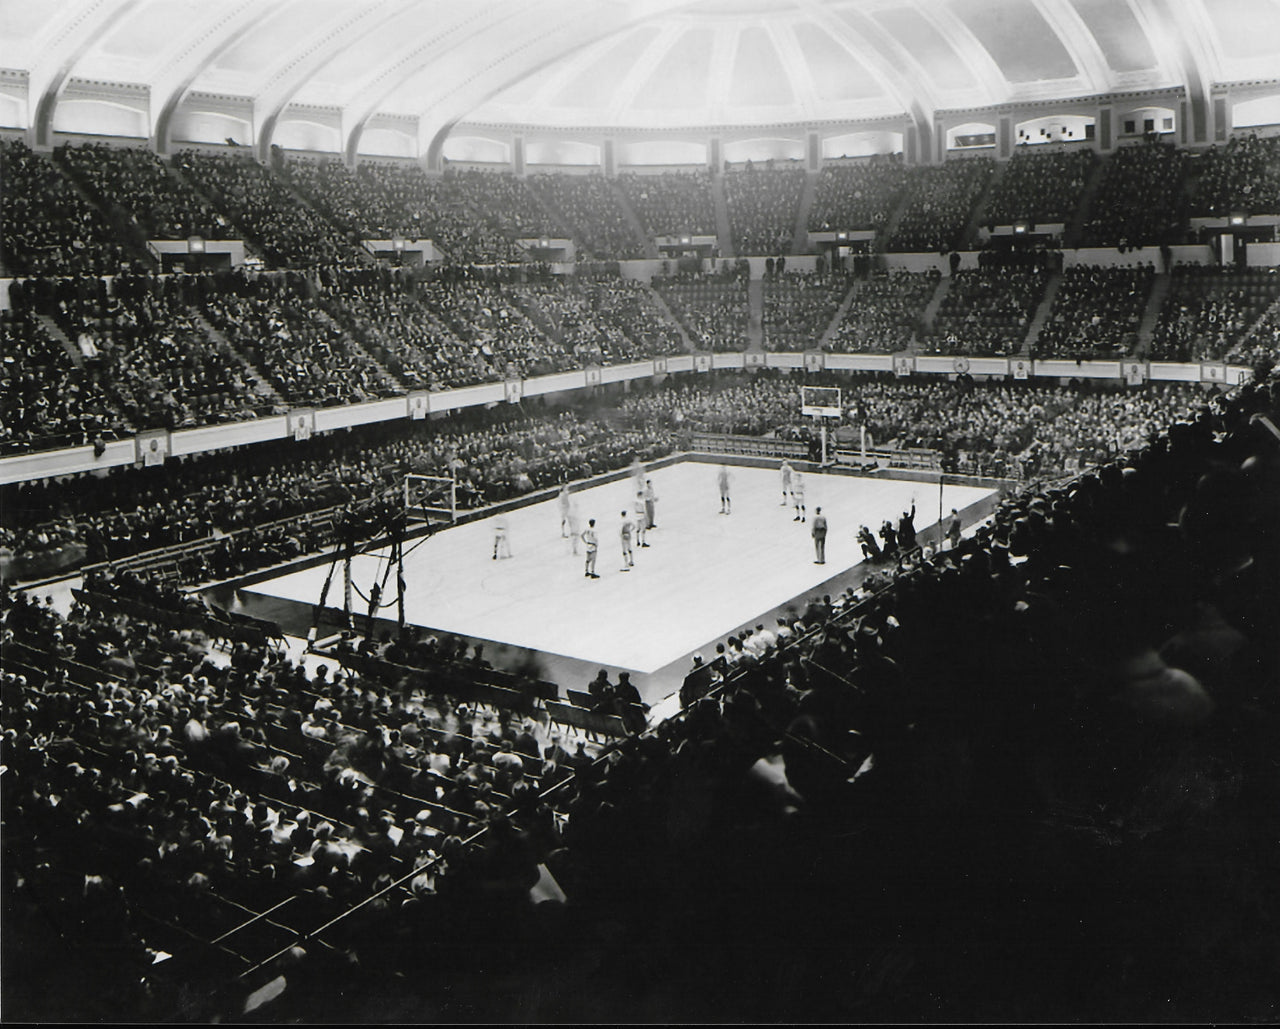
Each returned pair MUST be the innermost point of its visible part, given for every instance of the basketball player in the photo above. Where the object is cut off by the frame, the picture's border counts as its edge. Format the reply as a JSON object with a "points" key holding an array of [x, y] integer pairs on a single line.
{"points": [[625, 531], [501, 545], [641, 525], [786, 484], [797, 497], [819, 536], [564, 500], [723, 479], [589, 538], [650, 499]]}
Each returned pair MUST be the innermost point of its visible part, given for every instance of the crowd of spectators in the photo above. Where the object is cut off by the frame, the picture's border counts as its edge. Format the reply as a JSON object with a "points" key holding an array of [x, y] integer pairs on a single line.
{"points": [[1209, 310], [593, 207], [764, 205], [351, 199], [49, 400], [939, 202], [1096, 313], [885, 314], [134, 179], [601, 320], [987, 310], [47, 227], [173, 784], [799, 307], [288, 232], [1089, 683], [671, 203], [1140, 201], [1242, 176], [306, 356], [220, 495], [1040, 185], [713, 307], [858, 195]]}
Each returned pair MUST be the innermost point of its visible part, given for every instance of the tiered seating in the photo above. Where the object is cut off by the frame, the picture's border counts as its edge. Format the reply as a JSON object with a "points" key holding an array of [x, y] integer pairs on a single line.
{"points": [[1140, 201], [590, 205], [713, 309], [438, 212], [1096, 313], [857, 196], [289, 233], [356, 201], [939, 202], [763, 204], [601, 321], [987, 311], [406, 338], [1243, 176], [884, 316], [46, 227], [798, 308], [301, 350], [135, 179], [1040, 185], [143, 348], [49, 402], [1209, 310], [502, 340], [672, 203]]}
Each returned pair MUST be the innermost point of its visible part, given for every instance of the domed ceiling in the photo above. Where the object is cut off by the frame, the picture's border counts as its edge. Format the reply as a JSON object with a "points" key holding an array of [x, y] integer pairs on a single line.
{"points": [[628, 64]]}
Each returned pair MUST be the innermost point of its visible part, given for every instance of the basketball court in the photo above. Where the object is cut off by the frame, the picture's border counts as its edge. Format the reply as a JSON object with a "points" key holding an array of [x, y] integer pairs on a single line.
{"points": [[703, 576]]}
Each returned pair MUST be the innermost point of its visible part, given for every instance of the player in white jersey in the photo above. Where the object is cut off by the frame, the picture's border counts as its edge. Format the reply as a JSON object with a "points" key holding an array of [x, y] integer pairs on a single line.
{"points": [[501, 544], [624, 532], [564, 501], [797, 497], [642, 523], [574, 521], [786, 484], [723, 479]]}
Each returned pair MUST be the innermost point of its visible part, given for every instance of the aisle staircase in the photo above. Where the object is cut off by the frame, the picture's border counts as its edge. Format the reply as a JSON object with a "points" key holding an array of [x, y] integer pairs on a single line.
{"points": [[724, 233], [930, 311], [1151, 313], [1075, 227], [978, 216], [261, 386], [755, 314], [670, 316], [1042, 315], [829, 333], [890, 227], [800, 241], [55, 331], [650, 245]]}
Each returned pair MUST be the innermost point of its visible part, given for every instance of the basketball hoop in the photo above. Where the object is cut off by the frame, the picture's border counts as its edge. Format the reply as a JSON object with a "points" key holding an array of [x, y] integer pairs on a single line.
{"points": [[821, 402]]}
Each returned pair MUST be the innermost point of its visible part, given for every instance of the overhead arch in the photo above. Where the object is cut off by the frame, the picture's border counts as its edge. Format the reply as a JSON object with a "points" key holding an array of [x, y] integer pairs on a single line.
{"points": [[49, 75]]}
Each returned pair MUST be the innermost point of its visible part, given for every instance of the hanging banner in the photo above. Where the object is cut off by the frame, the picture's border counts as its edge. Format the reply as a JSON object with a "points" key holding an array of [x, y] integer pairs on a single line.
{"points": [[1019, 367], [151, 447], [659, 366], [592, 374], [1136, 373], [1214, 371], [702, 362], [514, 390], [904, 365], [961, 365], [754, 358], [302, 423], [419, 404], [814, 360]]}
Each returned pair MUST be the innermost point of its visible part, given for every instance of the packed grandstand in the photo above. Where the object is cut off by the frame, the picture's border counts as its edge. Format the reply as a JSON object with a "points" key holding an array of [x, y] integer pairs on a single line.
{"points": [[1024, 775]]}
